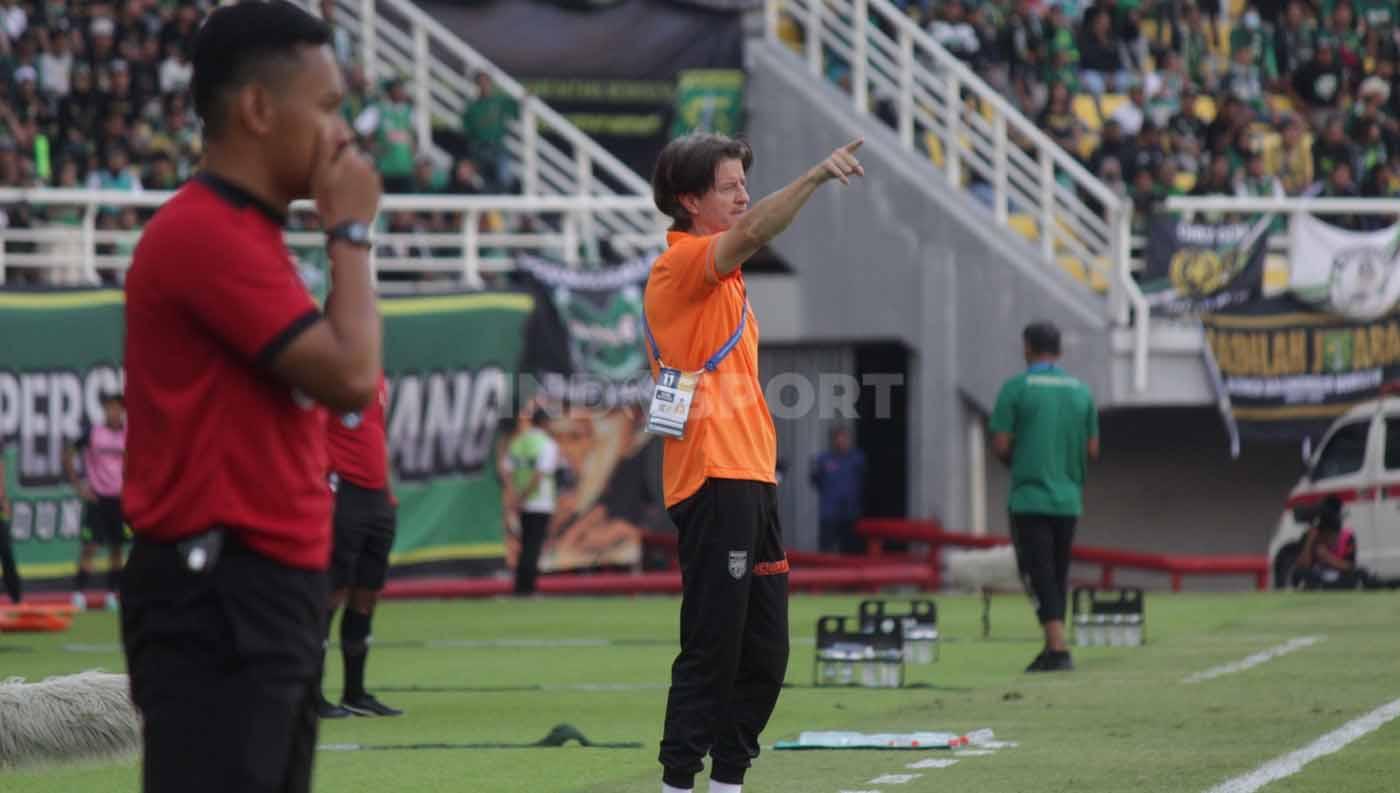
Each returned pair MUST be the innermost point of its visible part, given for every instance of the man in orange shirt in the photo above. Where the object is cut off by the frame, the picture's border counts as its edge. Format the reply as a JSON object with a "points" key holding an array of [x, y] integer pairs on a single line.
{"points": [[719, 460]]}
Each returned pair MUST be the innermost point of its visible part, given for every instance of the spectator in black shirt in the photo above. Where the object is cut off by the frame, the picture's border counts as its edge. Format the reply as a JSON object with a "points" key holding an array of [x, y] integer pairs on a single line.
{"points": [[101, 45], [1023, 49], [1150, 151], [1293, 43], [1101, 63], [1219, 178], [182, 29], [78, 112], [1340, 183], [1058, 119], [1320, 84], [1112, 145], [1384, 181], [1187, 123], [121, 98], [1332, 148]]}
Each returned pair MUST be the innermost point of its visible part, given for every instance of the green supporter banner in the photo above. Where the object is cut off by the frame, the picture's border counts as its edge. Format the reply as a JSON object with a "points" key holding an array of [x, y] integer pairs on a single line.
{"points": [[451, 362]]}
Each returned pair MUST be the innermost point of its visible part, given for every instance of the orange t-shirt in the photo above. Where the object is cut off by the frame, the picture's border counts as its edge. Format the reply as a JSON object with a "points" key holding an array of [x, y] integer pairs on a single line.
{"points": [[692, 314]]}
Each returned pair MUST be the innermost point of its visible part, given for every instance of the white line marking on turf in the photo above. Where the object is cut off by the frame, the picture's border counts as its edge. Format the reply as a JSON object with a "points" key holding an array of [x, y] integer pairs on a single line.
{"points": [[1292, 645], [894, 779], [932, 763], [974, 753], [1293, 762]]}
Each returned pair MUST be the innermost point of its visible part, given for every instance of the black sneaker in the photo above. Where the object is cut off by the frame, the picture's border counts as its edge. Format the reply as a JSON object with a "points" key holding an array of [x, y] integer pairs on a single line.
{"points": [[1038, 665], [1057, 662], [327, 710], [367, 705]]}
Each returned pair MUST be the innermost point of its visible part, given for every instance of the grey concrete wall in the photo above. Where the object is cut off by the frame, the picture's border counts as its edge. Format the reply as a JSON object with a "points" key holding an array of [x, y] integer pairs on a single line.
{"points": [[1166, 483], [902, 255]]}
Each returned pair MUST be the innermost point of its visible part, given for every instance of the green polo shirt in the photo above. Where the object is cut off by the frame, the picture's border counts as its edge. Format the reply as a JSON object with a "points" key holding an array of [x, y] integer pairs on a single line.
{"points": [[1051, 418]]}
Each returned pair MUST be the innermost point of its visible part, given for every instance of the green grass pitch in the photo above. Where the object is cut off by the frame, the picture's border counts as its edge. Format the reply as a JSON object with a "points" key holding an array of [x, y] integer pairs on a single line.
{"points": [[1122, 722]]}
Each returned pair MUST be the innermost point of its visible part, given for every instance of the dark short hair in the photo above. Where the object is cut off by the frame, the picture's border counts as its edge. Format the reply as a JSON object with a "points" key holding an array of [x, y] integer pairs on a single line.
{"points": [[687, 167], [1042, 338], [540, 417], [238, 44]]}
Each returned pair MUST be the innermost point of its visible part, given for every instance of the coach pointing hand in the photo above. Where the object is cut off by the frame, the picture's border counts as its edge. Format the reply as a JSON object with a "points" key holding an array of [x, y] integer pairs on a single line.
{"points": [[719, 464]]}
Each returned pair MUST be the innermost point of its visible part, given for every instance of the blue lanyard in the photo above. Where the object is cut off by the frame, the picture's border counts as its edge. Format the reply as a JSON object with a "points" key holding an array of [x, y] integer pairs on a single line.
{"points": [[723, 352], [1041, 367]]}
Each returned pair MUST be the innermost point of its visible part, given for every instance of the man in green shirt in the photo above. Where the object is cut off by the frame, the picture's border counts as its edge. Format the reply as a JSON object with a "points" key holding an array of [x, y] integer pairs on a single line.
{"points": [[1045, 426], [394, 140], [485, 122]]}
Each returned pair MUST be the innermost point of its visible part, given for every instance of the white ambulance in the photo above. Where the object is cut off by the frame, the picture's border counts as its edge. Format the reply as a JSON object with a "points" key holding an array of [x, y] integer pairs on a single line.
{"points": [[1359, 462]]}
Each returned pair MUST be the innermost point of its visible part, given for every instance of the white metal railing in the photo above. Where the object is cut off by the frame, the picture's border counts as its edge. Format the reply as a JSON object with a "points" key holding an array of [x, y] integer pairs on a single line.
{"points": [[978, 135], [551, 155], [458, 254]]}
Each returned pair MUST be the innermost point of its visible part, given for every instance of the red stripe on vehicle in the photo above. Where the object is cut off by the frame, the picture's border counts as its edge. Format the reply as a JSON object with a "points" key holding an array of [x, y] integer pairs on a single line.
{"points": [[1346, 497]]}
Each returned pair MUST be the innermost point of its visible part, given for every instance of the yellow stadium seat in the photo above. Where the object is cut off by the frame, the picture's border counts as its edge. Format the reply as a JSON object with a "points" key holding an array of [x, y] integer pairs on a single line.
{"points": [[1111, 102], [935, 148], [789, 33], [1276, 274], [1280, 103], [1086, 111], [1025, 225], [1205, 108], [1185, 181], [1087, 144], [1076, 269]]}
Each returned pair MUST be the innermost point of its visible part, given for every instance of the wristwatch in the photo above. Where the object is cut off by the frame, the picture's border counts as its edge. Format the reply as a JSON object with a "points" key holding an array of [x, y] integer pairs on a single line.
{"points": [[352, 231]]}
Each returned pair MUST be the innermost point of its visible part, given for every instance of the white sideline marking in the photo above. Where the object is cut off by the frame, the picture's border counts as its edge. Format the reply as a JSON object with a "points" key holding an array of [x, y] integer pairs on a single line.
{"points": [[860, 791], [974, 753], [894, 779], [932, 763], [517, 643], [1293, 762], [1292, 645]]}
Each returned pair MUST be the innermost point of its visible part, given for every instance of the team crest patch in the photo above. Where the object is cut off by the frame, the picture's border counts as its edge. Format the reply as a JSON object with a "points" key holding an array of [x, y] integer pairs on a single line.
{"points": [[738, 564]]}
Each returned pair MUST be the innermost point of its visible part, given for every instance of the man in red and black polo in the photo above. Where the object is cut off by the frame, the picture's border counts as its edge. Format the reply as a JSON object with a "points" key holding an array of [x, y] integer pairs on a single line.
{"points": [[228, 363], [364, 526]]}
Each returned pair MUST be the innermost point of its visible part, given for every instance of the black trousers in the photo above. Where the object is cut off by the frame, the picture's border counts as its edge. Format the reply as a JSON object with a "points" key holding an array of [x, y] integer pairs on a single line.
{"points": [[225, 669], [1043, 544], [363, 527], [7, 563], [533, 527], [734, 630]]}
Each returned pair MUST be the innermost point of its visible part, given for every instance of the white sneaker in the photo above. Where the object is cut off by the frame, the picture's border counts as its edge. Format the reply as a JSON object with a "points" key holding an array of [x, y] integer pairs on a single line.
{"points": [[79, 601], [110, 602]]}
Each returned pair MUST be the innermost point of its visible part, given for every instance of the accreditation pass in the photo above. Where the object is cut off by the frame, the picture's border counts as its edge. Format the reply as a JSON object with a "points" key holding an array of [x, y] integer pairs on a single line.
{"points": [[670, 402]]}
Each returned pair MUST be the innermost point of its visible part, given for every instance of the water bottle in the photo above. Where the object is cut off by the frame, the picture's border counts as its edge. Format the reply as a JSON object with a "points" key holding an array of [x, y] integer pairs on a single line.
{"points": [[980, 737]]}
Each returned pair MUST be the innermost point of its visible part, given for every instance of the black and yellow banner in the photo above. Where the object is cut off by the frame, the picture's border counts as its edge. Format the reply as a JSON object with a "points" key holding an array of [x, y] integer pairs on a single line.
{"points": [[1196, 268], [1289, 370]]}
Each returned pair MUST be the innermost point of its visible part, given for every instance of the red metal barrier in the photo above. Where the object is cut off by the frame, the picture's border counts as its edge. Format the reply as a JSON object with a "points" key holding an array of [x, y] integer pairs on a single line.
{"points": [[668, 543], [877, 531], [866, 578]]}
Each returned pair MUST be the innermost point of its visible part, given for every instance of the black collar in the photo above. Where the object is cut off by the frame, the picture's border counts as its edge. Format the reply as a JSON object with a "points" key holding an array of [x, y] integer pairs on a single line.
{"points": [[238, 197]]}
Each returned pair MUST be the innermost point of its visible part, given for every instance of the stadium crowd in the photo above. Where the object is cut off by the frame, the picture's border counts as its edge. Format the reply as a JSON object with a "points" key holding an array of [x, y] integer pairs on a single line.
{"points": [[1168, 97], [96, 94]]}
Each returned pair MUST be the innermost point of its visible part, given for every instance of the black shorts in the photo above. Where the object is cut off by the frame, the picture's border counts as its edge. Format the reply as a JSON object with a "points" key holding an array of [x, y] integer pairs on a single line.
{"points": [[225, 668], [103, 523], [365, 521]]}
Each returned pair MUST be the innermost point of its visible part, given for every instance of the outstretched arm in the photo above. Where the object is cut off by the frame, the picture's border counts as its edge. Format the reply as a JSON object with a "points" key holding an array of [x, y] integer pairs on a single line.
{"points": [[771, 216]]}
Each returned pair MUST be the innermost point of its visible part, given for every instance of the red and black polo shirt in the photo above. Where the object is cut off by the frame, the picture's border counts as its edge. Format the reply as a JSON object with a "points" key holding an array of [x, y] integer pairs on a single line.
{"points": [[358, 445], [215, 438]]}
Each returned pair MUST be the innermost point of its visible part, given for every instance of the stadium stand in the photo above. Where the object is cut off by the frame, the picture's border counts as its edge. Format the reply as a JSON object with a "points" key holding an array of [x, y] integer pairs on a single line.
{"points": [[95, 95], [1159, 98]]}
